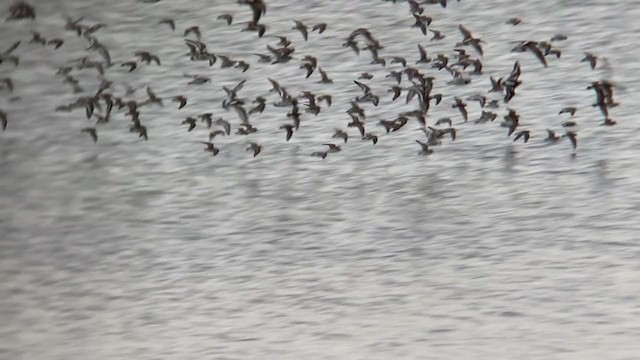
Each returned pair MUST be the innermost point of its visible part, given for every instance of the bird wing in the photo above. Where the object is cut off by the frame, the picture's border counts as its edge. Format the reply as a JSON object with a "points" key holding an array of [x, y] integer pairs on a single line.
{"points": [[476, 45], [423, 52], [573, 139], [323, 74], [105, 55], [536, 51], [465, 32], [257, 11], [11, 48], [362, 86], [276, 86], [239, 86], [242, 113]]}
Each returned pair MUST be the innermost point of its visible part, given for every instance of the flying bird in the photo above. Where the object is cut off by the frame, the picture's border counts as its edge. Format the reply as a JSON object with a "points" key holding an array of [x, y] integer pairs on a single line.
{"points": [[592, 59], [180, 99], [255, 148], [169, 22], [302, 28], [92, 132], [522, 134], [289, 128], [226, 17]]}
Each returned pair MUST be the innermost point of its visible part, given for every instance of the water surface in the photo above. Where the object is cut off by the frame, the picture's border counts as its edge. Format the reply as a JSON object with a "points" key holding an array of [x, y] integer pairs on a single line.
{"points": [[484, 250]]}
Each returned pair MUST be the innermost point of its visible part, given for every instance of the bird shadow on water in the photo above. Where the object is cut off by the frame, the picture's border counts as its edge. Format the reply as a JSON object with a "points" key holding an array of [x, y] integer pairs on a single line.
{"points": [[602, 180], [510, 159]]}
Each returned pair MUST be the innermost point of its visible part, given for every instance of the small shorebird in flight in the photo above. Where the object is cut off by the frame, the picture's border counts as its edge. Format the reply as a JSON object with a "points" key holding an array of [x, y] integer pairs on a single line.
{"points": [[169, 22], [592, 59], [226, 17], [302, 28], [255, 148], [211, 148], [3, 120], [180, 99], [92, 132], [425, 148], [569, 109]]}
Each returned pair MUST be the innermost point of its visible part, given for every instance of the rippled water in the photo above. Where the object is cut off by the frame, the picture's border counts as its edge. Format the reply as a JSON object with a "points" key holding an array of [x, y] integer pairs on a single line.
{"points": [[484, 250]]}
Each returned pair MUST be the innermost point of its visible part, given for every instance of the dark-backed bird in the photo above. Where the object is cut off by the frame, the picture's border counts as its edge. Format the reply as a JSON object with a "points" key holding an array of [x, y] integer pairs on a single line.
{"points": [[486, 116], [372, 137], [55, 42], [246, 129], [356, 122], [180, 99], [226, 17], [522, 134], [481, 99], [7, 82], [321, 154], [324, 77], [397, 90], [320, 27], [424, 58], [215, 133], [92, 132], [37, 38], [260, 107], [193, 29], [535, 50], [514, 21], [3, 119], [199, 80], [325, 98], [207, 118], [302, 28], [437, 35], [169, 22], [333, 148], [225, 124], [255, 148], [153, 98], [147, 57], [210, 148], [341, 134], [442, 3], [191, 121], [496, 85], [444, 120], [289, 128], [422, 21], [242, 65], [592, 59], [569, 109], [259, 28], [608, 122], [265, 59], [462, 107], [399, 60], [425, 148], [551, 137]]}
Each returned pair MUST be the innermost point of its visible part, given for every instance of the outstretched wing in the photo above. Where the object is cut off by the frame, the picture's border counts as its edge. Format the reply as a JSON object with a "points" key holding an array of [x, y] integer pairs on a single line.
{"points": [[465, 32], [362, 86], [536, 51]]}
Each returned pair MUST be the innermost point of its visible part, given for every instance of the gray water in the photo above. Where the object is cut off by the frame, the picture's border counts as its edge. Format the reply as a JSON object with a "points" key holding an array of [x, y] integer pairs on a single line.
{"points": [[486, 249]]}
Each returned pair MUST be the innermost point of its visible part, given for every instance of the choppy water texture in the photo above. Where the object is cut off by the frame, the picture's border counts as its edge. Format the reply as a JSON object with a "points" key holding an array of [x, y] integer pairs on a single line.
{"points": [[484, 250]]}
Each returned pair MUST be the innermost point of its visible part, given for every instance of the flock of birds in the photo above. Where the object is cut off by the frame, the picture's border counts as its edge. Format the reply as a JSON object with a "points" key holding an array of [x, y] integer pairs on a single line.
{"points": [[411, 77]]}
